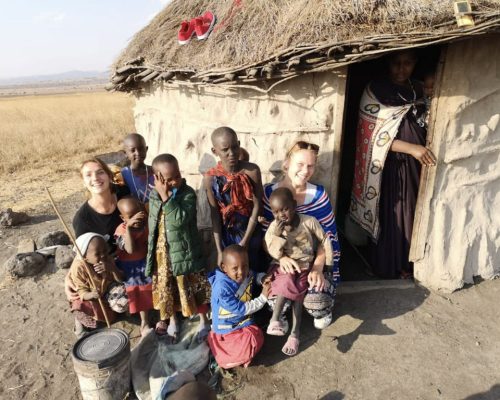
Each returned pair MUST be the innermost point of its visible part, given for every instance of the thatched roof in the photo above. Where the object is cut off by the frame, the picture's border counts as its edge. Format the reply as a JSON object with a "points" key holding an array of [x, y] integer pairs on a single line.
{"points": [[277, 39]]}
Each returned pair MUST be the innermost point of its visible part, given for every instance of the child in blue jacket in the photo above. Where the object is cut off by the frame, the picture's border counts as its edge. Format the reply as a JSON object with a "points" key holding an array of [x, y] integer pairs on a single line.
{"points": [[234, 339]]}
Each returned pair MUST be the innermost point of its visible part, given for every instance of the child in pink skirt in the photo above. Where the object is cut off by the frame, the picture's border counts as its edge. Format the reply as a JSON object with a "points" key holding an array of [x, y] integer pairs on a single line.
{"points": [[292, 239]]}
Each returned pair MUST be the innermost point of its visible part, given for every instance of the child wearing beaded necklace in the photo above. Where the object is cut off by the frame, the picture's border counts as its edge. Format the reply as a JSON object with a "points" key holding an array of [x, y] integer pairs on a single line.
{"points": [[138, 176]]}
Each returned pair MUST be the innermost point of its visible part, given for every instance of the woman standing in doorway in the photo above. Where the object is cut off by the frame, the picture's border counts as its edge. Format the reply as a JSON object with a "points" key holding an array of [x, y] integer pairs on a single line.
{"points": [[390, 150], [299, 167]]}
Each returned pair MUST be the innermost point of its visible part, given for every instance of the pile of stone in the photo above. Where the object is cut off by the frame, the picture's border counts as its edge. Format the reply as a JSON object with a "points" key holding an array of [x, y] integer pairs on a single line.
{"points": [[32, 255]]}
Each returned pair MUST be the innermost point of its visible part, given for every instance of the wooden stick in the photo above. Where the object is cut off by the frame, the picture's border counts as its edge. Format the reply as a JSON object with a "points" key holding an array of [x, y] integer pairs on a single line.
{"points": [[80, 254]]}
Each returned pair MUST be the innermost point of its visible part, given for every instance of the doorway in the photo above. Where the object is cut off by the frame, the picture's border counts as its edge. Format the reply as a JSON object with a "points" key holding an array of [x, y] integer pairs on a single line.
{"points": [[355, 264]]}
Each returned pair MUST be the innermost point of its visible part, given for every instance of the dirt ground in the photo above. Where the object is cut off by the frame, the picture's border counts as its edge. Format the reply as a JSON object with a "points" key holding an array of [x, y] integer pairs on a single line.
{"points": [[393, 343]]}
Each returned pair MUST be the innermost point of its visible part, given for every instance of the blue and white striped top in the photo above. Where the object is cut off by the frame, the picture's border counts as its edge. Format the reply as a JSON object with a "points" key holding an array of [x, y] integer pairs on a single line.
{"points": [[317, 205]]}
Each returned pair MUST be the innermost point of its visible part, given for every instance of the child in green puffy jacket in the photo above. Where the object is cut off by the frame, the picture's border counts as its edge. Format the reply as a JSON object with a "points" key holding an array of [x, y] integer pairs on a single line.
{"points": [[175, 258]]}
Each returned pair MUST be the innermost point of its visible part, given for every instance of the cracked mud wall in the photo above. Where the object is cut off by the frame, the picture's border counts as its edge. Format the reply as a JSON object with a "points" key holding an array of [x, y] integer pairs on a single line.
{"points": [[462, 235], [180, 120]]}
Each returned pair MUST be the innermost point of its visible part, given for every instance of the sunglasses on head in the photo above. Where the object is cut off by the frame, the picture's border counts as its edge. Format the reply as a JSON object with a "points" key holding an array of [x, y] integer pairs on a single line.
{"points": [[301, 145]]}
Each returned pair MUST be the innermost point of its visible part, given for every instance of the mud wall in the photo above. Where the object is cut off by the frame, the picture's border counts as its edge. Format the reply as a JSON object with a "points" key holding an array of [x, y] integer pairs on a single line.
{"points": [[461, 221], [180, 119]]}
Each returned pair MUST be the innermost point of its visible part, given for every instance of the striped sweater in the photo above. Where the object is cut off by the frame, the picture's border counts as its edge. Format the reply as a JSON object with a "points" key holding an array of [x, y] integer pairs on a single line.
{"points": [[320, 208]]}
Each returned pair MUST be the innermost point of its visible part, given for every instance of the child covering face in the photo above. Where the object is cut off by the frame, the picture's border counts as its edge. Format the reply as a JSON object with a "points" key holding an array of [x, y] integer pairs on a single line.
{"points": [[105, 276], [175, 259], [294, 236], [235, 339], [132, 241]]}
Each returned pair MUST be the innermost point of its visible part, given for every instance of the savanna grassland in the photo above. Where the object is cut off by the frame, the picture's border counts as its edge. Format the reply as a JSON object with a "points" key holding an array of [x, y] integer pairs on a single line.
{"points": [[45, 137]]}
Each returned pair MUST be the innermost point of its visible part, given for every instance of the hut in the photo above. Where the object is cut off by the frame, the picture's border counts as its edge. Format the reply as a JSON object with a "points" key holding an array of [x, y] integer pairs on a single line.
{"points": [[279, 70]]}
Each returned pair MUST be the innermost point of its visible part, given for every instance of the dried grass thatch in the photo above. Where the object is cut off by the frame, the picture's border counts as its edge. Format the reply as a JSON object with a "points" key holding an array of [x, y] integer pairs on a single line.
{"points": [[255, 33]]}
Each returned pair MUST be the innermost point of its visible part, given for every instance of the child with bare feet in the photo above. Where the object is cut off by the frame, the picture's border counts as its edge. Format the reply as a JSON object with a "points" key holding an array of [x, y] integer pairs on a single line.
{"points": [[100, 267], [235, 339], [291, 238], [175, 258], [132, 249], [234, 191], [137, 176]]}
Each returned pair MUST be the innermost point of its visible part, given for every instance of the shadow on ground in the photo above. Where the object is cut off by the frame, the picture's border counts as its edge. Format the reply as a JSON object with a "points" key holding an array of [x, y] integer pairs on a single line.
{"points": [[374, 306], [492, 394]]}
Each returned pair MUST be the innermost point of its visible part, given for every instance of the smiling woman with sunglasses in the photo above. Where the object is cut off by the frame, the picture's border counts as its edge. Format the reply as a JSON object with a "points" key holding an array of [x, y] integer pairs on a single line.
{"points": [[298, 168]]}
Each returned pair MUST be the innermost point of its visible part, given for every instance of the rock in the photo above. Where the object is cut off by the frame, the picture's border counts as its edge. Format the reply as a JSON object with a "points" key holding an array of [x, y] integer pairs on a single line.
{"points": [[118, 158], [55, 238], [64, 257], [12, 218], [25, 264], [26, 246]]}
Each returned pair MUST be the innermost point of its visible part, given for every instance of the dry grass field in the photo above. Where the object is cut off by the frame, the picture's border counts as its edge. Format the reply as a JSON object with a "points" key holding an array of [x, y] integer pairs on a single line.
{"points": [[44, 138]]}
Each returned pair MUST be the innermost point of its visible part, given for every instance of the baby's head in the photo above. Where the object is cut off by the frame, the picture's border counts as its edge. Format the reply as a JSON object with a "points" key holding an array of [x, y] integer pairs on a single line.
{"points": [[135, 149], [235, 262], [283, 205], [244, 156], [226, 146], [128, 207], [429, 80], [93, 247]]}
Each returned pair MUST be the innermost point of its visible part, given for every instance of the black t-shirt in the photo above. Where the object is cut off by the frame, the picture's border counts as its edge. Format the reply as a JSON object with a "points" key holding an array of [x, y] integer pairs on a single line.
{"points": [[87, 219]]}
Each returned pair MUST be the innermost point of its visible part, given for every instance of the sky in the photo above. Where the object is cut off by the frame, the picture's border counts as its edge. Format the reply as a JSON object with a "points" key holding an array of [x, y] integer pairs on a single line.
{"points": [[40, 37]]}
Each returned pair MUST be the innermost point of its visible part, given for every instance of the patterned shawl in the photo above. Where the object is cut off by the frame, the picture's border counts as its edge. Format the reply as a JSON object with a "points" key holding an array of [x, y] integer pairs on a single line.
{"points": [[377, 127]]}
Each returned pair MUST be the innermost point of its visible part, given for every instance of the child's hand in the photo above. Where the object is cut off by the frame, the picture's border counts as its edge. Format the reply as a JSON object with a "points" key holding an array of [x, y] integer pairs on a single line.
{"points": [[316, 279], [266, 279], [93, 295], [280, 226], [289, 265], [266, 288], [100, 268], [161, 186], [137, 220]]}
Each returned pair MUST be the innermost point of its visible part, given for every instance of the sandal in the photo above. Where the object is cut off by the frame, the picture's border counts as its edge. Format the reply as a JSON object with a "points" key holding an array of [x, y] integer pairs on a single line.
{"points": [[276, 328], [161, 328], [291, 346]]}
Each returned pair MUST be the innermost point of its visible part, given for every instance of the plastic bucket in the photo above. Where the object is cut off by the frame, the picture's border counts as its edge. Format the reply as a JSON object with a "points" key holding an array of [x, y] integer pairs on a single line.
{"points": [[101, 360]]}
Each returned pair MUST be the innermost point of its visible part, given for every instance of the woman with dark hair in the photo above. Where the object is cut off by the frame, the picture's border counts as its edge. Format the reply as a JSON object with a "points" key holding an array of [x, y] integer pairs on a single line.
{"points": [[99, 214], [390, 149]]}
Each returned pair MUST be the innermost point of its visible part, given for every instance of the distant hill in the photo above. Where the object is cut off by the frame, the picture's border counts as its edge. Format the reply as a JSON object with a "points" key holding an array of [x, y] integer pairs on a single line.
{"points": [[69, 76]]}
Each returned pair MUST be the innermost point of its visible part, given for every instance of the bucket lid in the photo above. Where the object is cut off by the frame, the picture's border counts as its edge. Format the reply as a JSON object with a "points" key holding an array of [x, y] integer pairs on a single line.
{"points": [[103, 347]]}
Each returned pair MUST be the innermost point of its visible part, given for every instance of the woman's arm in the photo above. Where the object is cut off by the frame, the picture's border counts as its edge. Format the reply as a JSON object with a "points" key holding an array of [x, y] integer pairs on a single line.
{"points": [[419, 152], [316, 278]]}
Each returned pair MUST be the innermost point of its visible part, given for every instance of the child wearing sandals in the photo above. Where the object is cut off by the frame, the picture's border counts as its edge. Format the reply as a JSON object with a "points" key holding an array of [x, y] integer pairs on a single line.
{"points": [[132, 248], [105, 275], [175, 259], [235, 339], [293, 237]]}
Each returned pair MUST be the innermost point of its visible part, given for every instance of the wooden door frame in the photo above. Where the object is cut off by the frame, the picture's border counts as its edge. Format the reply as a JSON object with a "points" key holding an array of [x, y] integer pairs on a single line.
{"points": [[428, 176]]}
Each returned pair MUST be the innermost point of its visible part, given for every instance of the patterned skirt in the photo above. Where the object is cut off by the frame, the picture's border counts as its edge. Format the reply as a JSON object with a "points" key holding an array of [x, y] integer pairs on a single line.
{"points": [[185, 293]]}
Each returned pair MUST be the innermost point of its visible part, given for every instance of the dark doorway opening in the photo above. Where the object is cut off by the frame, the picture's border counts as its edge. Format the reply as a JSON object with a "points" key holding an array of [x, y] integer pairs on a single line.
{"points": [[355, 261]]}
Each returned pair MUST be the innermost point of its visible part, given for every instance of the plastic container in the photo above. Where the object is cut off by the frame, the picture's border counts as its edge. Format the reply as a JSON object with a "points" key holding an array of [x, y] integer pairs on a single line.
{"points": [[101, 360]]}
